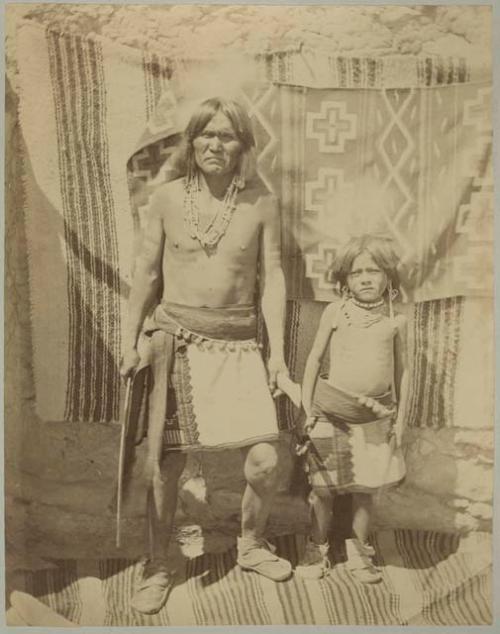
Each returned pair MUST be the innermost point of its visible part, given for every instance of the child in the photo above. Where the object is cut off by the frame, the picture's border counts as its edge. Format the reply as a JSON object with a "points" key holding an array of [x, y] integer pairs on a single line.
{"points": [[352, 417]]}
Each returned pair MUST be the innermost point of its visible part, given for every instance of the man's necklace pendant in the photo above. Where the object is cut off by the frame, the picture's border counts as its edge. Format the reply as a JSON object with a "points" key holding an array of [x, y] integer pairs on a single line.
{"points": [[217, 226]]}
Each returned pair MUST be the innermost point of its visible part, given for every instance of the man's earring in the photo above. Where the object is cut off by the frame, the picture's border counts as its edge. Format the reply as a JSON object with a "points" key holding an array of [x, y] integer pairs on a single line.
{"points": [[242, 172], [190, 171]]}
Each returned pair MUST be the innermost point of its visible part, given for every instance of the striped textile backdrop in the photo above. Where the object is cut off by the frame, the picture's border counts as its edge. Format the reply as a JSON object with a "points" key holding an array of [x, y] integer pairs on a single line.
{"points": [[85, 103]]}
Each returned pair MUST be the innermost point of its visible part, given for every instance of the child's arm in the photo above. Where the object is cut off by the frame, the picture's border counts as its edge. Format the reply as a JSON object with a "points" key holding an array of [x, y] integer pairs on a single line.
{"points": [[315, 357], [400, 376]]}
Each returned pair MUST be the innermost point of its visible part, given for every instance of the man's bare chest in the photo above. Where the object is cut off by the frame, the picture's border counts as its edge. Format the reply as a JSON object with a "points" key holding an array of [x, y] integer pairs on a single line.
{"points": [[241, 236]]}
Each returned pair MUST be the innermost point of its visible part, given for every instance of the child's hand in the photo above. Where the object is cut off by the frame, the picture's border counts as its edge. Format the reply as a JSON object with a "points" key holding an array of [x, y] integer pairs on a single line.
{"points": [[397, 434], [302, 448], [304, 429], [310, 424]]}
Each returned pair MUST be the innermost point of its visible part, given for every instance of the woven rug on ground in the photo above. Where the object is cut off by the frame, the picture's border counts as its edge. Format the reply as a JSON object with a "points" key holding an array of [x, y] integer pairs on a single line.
{"points": [[428, 579], [85, 103]]}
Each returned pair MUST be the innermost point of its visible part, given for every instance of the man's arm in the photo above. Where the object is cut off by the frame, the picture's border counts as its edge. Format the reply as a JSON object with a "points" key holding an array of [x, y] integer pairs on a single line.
{"points": [[272, 289], [146, 284]]}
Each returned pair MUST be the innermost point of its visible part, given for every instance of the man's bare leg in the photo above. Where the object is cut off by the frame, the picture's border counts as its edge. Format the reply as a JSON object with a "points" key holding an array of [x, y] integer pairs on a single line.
{"points": [[162, 504], [262, 475], [152, 592]]}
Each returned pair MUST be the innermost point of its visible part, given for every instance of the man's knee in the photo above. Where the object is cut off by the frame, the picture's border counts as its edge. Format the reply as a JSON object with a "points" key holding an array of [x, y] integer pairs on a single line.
{"points": [[261, 465], [320, 494]]}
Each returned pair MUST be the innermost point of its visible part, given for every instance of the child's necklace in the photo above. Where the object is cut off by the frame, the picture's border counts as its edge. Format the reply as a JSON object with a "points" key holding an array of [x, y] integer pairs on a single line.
{"points": [[365, 317], [368, 305]]}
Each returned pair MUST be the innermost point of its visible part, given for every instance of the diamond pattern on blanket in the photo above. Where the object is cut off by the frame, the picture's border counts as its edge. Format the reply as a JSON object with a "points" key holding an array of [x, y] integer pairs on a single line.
{"points": [[401, 143]]}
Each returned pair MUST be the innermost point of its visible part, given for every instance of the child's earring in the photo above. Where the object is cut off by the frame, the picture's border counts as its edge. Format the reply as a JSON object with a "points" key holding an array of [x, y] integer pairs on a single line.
{"points": [[393, 292], [346, 292]]}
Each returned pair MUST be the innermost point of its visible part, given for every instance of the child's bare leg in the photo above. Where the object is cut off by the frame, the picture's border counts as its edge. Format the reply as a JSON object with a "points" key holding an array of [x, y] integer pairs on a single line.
{"points": [[362, 511], [321, 516], [314, 563], [359, 552]]}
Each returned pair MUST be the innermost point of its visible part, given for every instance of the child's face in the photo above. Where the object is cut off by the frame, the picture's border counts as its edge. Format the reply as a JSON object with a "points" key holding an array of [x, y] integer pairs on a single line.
{"points": [[366, 281]]}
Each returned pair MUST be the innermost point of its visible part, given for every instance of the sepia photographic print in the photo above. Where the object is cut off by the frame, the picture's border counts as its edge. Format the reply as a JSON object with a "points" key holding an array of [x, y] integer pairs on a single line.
{"points": [[249, 325]]}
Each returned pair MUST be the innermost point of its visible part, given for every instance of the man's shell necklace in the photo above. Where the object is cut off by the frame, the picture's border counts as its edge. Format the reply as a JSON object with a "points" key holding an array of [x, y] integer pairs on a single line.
{"points": [[217, 227]]}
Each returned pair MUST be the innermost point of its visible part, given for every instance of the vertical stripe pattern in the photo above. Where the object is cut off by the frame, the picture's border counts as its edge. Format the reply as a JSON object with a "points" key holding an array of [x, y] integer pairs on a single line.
{"points": [[157, 71], [433, 353], [91, 249], [57, 588], [427, 580]]}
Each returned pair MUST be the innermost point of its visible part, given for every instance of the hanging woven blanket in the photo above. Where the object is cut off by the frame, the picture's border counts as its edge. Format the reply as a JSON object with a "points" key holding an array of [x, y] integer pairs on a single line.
{"points": [[398, 144]]}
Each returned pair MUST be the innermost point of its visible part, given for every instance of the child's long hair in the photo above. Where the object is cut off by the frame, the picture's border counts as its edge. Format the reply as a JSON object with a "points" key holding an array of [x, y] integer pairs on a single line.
{"points": [[381, 250]]}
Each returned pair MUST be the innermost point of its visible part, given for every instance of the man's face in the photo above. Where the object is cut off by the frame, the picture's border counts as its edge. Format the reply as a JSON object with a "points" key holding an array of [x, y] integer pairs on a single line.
{"points": [[366, 281], [217, 148]]}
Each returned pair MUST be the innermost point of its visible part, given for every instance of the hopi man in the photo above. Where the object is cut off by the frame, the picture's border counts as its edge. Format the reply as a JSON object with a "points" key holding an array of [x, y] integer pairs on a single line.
{"points": [[211, 249]]}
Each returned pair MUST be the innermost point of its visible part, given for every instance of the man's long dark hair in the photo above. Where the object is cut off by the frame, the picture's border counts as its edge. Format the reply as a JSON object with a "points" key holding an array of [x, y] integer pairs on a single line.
{"points": [[183, 159]]}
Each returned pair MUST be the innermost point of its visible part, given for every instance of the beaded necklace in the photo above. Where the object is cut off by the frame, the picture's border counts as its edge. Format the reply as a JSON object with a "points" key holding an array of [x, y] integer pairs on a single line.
{"points": [[217, 227], [368, 305], [361, 314]]}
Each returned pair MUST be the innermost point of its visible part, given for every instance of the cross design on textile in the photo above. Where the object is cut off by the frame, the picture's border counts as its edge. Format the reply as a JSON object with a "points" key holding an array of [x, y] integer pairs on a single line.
{"points": [[320, 191], [317, 264], [332, 126], [317, 196]]}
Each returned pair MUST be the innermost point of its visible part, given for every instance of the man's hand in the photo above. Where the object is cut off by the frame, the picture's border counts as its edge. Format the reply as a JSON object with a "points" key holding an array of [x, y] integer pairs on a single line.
{"points": [[130, 361], [293, 390], [276, 366], [151, 471], [397, 433]]}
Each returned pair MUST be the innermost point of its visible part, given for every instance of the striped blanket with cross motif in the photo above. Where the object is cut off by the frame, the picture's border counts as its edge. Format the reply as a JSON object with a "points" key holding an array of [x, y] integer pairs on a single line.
{"points": [[85, 102]]}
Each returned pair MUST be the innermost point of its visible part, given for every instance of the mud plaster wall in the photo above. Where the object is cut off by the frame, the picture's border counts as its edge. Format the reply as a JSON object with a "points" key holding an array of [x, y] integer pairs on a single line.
{"points": [[59, 475]]}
